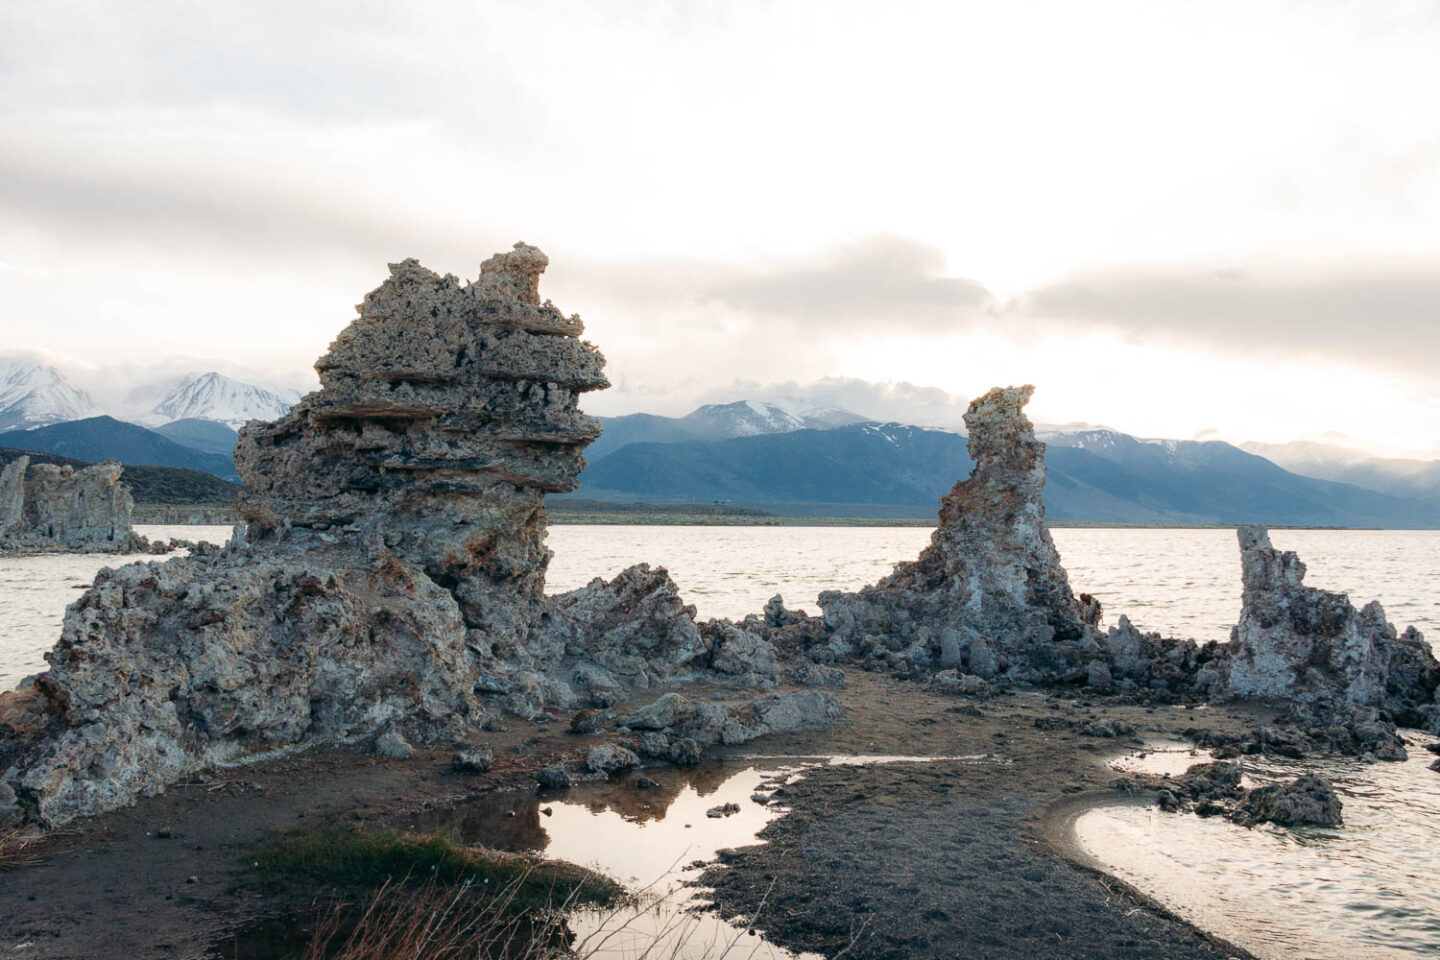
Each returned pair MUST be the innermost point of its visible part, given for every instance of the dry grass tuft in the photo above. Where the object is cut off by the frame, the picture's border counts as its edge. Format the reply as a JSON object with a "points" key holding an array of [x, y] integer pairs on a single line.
{"points": [[16, 849]]}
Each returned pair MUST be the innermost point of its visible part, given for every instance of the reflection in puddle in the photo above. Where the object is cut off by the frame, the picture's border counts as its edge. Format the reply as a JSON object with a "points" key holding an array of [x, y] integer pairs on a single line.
{"points": [[653, 840], [1366, 889], [656, 839]]}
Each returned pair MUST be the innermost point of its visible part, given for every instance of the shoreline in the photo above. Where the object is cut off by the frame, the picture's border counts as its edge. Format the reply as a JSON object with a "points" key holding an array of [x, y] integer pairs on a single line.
{"points": [[1056, 824], [121, 883]]}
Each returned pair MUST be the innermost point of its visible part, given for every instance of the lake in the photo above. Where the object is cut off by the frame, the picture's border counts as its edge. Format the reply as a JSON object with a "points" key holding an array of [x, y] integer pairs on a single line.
{"points": [[1179, 582]]}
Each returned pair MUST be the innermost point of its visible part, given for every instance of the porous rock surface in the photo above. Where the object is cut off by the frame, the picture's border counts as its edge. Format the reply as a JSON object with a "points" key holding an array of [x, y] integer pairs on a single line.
{"points": [[388, 585], [989, 594], [1312, 647], [51, 508], [1216, 788]]}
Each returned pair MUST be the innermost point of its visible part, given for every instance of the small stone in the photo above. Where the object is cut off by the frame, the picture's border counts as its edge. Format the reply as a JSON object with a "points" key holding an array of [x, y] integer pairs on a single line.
{"points": [[610, 758], [724, 810], [391, 744], [588, 721], [1107, 727], [472, 759], [645, 783], [553, 777]]}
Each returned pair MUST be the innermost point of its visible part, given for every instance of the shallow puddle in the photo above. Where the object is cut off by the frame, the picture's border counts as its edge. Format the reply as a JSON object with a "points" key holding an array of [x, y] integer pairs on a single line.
{"points": [[656, 839], [1365, 889], [653, 840]]}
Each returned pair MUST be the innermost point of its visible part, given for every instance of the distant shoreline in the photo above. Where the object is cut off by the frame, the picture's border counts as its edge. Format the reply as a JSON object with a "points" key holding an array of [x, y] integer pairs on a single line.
{"points": [[698, 515]]}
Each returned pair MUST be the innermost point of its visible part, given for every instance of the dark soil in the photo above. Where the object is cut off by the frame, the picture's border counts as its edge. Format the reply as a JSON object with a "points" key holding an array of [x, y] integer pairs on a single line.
{"points": [[953, 859], [908, 860]]}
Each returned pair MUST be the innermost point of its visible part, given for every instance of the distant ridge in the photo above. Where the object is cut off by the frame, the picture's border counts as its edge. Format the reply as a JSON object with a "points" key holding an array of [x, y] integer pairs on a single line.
{"points": [[105, 438], [1418, 479], [1098, 476], [148, 484], [716, 421], [207, 436]]}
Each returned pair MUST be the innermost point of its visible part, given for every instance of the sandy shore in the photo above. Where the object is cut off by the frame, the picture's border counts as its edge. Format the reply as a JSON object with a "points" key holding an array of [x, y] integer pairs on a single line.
{"points": [[943, 859]]}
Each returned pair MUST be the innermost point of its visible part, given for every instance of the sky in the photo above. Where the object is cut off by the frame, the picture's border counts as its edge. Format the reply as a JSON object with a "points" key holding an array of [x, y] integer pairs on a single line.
{"points": [[1194, 220]]}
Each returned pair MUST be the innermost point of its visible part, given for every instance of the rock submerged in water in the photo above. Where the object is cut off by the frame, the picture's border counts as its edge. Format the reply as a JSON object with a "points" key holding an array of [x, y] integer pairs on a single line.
{"points": [[1306, 801], [388, 585], [1216, 788]]}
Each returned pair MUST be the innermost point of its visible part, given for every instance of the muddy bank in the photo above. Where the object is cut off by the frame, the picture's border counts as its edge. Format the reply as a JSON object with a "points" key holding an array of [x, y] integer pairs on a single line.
{"points": [[919, 860], [955, 857], [160, 878]]}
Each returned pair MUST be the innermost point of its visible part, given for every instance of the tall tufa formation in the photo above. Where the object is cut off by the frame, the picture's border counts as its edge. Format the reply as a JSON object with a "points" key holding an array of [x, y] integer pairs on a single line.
{"points": [[989, 594], [1306, 645], [52, 507], [389, 585], [446, 413]]}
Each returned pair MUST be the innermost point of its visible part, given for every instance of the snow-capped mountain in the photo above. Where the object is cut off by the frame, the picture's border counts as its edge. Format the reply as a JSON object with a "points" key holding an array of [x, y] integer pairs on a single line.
{"points": [[716, 421], [828, 417], [743, 418], [35, 394], [213, 396]]}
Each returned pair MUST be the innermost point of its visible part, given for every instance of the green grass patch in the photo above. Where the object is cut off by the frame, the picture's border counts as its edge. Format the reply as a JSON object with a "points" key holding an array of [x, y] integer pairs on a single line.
{"points": [[353, 861]]}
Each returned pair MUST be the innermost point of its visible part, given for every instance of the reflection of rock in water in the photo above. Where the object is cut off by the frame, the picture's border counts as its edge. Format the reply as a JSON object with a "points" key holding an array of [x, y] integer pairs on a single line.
{"points": [[487, 819], [509, 821], [640, 806]]}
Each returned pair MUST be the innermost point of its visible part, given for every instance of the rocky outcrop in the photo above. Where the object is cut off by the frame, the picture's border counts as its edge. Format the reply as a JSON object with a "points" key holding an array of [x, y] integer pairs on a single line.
{"points": [[676, 727], [388, 586], [1212, 789], [1309, 800], [989, 594], [1308, 646], [12, 494], [47, 507]]}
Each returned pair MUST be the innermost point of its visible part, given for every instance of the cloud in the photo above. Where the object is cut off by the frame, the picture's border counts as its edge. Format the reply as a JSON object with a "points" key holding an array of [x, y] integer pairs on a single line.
{"points": [[194, 192], [888, 283], [1386, 315]]}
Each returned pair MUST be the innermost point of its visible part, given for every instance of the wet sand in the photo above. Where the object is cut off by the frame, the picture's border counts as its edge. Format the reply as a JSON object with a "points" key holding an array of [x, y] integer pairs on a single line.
{"points": [[943, 859]]}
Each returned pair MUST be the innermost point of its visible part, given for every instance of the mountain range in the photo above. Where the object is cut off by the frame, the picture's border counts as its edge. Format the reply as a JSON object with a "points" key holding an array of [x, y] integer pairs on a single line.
{"points": [[35, 394], [1099, 476], [1418, 479], [716, 421], [105, 438], [815, 461], [212, 396]]}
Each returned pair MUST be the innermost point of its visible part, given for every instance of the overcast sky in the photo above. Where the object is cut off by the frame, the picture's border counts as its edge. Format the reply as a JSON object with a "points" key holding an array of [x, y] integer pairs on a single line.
{"points": [[1179, 219]]}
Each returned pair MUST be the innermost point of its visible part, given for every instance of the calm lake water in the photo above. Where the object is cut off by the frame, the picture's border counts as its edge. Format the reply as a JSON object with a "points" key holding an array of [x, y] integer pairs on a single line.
{"points": [[1367, 889], [1183, 583]]}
